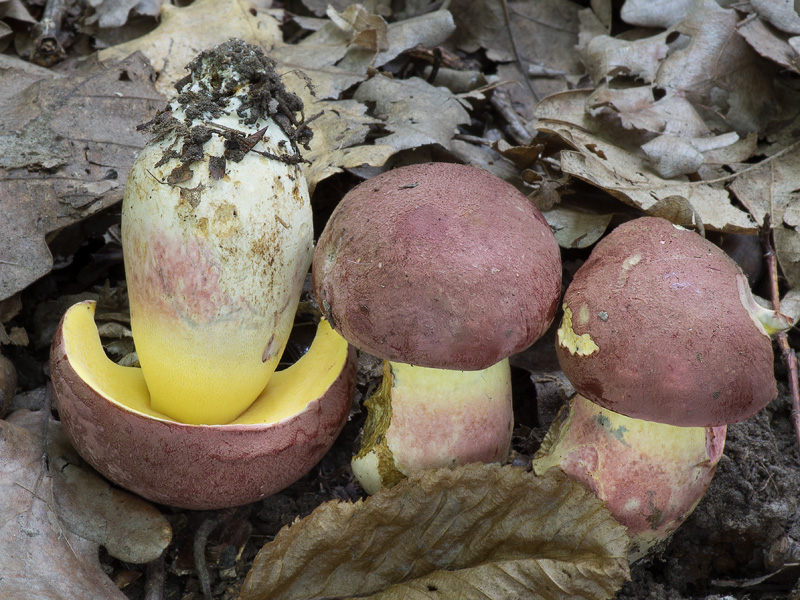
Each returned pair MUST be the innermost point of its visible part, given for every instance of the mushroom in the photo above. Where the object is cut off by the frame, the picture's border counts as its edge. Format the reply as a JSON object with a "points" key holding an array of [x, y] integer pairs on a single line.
{"points": [[665, 345], [660, 324], [444, 271], [217, 237], [651, 475]]}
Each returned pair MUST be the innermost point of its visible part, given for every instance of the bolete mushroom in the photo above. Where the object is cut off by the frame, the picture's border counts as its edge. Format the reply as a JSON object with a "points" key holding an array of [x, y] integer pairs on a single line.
{"points": [[443, 270], [663, 340], [217, 238], [659, 324]]}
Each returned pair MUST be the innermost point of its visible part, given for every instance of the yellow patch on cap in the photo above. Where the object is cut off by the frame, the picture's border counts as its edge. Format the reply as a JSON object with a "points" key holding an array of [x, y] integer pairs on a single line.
{"points": [[582, 345]]}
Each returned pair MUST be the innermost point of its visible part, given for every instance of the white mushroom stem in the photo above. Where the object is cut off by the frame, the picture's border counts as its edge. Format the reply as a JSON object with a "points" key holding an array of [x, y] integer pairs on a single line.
{"points": [[423, 418]]}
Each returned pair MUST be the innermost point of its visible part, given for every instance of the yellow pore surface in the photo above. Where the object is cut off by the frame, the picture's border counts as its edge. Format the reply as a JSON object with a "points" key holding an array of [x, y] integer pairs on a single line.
{"points": [[288, 392]]}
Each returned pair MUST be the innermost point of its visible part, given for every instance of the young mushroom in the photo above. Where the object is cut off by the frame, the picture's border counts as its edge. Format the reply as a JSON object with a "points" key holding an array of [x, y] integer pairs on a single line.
{"points": [[664, 343], [217, 238], [443, 270]]}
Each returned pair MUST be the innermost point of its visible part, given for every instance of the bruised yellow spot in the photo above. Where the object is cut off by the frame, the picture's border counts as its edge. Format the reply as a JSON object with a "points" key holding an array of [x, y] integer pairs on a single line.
{"points": [[582, 345], [288, 392]]}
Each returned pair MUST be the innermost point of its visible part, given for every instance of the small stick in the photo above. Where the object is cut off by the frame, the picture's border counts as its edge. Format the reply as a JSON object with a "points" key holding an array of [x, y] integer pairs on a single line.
{"points": [[200, 566], [501, 101], [787, 352], [156, 576]]}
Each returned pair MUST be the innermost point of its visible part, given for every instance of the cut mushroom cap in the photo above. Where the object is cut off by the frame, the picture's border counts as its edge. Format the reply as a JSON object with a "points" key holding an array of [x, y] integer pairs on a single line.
{"points": [[438, 265], [105, 410], [657, 327]]}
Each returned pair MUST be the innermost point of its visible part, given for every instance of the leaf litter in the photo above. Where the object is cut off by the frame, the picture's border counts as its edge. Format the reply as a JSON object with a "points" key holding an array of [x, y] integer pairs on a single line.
{"points": [[688, 113]]}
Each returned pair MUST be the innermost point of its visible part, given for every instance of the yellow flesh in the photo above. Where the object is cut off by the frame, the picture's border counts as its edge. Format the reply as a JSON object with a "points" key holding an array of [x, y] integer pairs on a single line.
{"points": [[287, 393], [582, 345]]}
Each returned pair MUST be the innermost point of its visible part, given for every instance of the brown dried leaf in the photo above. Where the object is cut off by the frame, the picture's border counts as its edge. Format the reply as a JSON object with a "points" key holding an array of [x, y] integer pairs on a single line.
{"points": [[185, 32], [607, 57], [545, 34], [69, 144], [647, 13], [770, 43], [43, 556], [476, 532], [719, 69], [416, 112], [636, 108], [629, 177], [576, 229], [780, 13], [771, 188], [318, 7]]}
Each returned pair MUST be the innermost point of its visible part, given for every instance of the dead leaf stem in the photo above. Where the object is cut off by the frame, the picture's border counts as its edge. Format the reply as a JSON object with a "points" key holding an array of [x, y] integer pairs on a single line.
{"points": [[787, 352]]}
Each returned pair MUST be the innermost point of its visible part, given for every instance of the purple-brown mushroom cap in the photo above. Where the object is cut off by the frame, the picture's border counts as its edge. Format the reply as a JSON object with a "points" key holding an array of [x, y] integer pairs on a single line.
{"points": [[438, 265], [656, 327]]}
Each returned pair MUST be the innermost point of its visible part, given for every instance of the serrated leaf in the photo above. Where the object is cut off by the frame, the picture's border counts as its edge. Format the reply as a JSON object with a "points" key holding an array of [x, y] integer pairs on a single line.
{"points": [[479, 531]]}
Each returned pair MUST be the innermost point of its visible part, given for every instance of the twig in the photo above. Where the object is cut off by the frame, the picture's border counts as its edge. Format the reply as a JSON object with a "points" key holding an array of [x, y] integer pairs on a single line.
{"points": [[156, 576], [787, 352], [200, 541], [501, 101], [48, 35]]}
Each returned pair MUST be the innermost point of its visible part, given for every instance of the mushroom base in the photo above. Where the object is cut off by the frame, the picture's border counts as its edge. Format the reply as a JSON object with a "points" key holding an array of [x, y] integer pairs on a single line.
{"points": [[651, 475], [423, 418]]}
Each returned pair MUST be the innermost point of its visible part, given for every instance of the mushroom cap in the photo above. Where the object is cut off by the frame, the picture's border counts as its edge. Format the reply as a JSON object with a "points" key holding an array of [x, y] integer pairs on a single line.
{"points": [[656, 327], [438, 265]]}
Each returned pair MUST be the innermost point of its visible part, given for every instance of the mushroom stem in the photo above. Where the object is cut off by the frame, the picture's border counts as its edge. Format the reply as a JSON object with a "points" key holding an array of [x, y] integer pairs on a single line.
{"points": [[425, 418], [651, 475]]}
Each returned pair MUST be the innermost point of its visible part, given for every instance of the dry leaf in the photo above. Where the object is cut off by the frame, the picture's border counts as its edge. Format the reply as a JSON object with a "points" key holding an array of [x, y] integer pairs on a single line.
{"points": [[672, 156], [771, 188], [574, 228], [780, 13], [43, 557], [480, 531], [184, 32], [718, 69], [636, 108], [770, 43], [629, 177], [607, 57], [115, 13], [647, 13], [416, 112], [545, 34], [318, 7], [68, 146]]}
